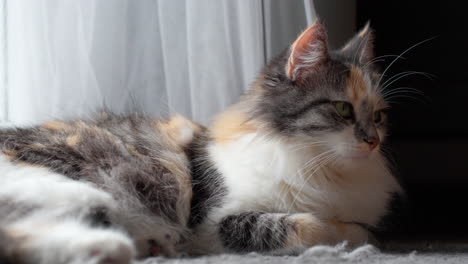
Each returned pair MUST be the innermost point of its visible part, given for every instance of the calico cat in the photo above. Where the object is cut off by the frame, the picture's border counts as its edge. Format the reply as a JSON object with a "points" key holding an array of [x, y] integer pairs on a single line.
{"points": [[91, 191], [295, 163], [299, 157]]}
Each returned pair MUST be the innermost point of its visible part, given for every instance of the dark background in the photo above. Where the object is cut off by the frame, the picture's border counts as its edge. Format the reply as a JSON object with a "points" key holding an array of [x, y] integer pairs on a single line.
{"points": [[429, 138]]}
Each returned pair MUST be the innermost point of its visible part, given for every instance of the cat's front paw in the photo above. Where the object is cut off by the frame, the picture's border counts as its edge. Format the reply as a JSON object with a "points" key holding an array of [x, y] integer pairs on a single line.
{"points": [[354, 234], [102, 247], [72, 243]]}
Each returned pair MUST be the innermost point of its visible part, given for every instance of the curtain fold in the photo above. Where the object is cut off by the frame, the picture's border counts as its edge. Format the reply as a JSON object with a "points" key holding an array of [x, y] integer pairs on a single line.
{"points": [[69, 58]]}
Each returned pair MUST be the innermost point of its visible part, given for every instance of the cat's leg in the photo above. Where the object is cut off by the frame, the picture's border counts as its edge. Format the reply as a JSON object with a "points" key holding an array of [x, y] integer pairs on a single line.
{"points": [[67, 241], [51, 219], [284, 233]]}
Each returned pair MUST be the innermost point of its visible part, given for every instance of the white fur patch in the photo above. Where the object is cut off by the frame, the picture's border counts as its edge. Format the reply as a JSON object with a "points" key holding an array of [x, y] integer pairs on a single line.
{"points": [[49, 190], [54, 232], [263, 173]]}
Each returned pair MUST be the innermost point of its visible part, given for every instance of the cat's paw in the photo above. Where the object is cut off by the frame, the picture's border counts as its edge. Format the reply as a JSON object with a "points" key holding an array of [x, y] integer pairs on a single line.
{"points": [[101, 247], [309, 231], [150, 247], [355, 235], [72, 243]]}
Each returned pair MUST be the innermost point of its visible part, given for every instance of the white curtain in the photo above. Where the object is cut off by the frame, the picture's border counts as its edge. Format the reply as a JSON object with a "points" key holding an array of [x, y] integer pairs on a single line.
{"points": [[64, 58]]}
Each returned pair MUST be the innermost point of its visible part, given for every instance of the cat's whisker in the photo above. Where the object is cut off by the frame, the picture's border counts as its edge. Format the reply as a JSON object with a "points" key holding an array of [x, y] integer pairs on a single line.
{"points": [[404, 92], [389, 99], [324, 161], [260, 137], [306, 169], [399, 76], [378, 59], [412, 93], [385, 56], [315, 159], [405, 95], [402, 89], [407, 73], [305, 181], [400, 56], [306, 166], [309, 145], [372, 62]]}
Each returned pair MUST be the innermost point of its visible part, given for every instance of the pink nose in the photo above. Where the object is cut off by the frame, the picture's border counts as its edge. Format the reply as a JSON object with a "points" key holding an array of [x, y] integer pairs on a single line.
{"points": [[373, 142]]}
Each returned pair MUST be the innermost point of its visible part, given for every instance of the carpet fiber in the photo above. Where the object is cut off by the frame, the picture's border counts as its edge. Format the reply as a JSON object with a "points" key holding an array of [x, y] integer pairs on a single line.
{"points": [[431, 254]]}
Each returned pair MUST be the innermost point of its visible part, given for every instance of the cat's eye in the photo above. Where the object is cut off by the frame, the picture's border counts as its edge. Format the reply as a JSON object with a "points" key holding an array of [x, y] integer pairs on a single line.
{"points": [[377, 116], [344, 109]]}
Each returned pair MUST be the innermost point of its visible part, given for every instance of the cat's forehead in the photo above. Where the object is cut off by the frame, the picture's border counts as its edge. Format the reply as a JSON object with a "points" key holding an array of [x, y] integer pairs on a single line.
{"points": [[361, 88]]}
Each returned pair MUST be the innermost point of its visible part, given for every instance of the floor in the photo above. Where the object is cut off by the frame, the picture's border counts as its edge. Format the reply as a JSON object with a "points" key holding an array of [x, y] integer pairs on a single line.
{"points": [[401, 252]]}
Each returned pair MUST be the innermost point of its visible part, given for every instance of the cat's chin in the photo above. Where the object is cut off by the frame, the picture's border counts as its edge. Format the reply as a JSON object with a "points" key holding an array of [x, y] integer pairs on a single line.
{"points": [[357, 156], [354, 160]]}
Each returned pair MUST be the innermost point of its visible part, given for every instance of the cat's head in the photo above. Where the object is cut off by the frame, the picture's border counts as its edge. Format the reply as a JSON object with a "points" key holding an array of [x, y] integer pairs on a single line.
{"points": [[328, 99]]}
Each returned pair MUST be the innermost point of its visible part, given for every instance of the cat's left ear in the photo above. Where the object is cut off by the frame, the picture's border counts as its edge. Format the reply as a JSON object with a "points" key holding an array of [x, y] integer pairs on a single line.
{"points": [[361, 47]]}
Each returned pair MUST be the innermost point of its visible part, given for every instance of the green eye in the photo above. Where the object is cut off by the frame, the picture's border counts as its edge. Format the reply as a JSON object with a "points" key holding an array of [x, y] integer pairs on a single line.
{"points": [[380, 115], [344, 109]]}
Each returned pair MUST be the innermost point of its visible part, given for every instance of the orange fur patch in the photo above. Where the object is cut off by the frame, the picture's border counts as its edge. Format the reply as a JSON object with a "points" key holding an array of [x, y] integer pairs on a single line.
{"points": [[230, 125], [358, 91], [180, 129], [133, 150], [356, 86], [10, 154], [35, 146], [55, 125], [73, 140], [184, 186], [340, 226], [309, 231]]}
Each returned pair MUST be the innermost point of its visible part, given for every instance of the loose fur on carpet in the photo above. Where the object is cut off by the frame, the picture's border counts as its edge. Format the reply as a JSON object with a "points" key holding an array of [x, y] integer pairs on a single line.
{"points": [[330, 255]]}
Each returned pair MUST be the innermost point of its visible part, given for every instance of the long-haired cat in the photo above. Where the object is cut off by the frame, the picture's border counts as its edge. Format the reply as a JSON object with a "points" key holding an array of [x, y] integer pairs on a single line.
{"points": [[295, 163]]}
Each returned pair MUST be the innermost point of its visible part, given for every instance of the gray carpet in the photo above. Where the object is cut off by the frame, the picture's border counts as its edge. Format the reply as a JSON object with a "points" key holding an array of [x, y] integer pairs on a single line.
{"points": [[428, 254]]}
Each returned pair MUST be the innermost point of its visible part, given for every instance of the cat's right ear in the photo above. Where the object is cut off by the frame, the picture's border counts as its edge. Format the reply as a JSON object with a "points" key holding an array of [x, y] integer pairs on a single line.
{"points": [[361, 46], [308, 52]]}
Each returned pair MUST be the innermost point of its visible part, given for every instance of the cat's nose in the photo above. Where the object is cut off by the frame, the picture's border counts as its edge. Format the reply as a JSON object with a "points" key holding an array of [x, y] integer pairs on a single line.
{"points": [[373, 142]]}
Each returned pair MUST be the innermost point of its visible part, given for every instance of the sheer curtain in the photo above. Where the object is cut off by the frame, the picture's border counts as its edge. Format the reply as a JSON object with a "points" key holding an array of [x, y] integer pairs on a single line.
{"points": [[63, 58]]}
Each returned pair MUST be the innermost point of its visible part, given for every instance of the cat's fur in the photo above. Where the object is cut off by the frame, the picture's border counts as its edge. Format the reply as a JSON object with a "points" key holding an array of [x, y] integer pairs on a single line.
{"points": [[123, 175], [278, 172]]}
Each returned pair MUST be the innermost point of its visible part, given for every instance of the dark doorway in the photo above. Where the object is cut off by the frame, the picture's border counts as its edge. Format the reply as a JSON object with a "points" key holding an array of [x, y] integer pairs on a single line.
{"points": [[429, 132]]}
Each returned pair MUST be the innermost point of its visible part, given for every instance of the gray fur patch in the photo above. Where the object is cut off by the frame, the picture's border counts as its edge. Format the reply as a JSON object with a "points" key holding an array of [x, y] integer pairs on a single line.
{"points": [[127, 149], [254, 231]]}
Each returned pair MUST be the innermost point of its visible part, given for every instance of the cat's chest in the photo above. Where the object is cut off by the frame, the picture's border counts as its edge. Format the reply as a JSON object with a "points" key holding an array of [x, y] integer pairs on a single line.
{"points": [[359, 196], [268, 176]]}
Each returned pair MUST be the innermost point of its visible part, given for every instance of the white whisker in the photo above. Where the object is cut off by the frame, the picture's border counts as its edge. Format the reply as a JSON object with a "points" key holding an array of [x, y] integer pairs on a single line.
{"points": [[401, 75], [323, 161], [400, 56]]}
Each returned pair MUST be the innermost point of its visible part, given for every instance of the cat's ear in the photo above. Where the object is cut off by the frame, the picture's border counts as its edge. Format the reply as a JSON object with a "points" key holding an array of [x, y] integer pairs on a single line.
{"points": [[308, 52], [361, 47]]}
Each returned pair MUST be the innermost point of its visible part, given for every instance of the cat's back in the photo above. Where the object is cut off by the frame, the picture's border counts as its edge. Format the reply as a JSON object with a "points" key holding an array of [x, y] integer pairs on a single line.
{"points": [[69, 147]]}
